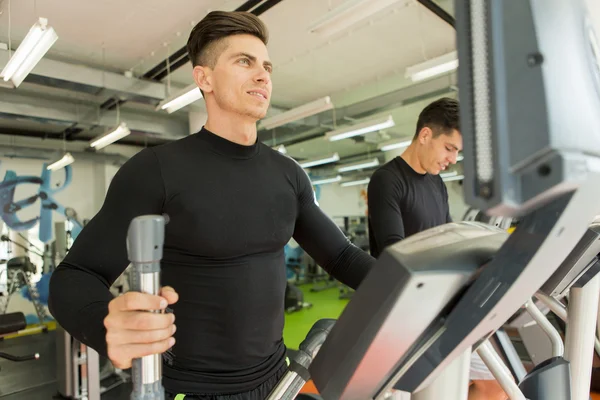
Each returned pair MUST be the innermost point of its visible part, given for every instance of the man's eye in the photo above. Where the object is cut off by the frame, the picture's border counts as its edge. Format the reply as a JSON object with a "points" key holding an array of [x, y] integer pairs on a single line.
{"points": [[245, 61]]}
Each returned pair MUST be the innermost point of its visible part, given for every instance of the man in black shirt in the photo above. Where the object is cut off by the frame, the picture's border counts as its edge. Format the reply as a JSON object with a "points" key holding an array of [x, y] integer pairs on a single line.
{"points": [[233, 204], [407, 196]]}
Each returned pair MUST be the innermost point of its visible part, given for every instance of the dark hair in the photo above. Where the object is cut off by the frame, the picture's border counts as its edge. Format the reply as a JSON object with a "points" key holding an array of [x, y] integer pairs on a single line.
{"points": [[203, 44], [441, 116]]}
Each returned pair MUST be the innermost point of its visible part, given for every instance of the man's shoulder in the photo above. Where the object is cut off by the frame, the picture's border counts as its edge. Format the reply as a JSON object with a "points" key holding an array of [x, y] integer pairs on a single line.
{"points": [[390, 171]]}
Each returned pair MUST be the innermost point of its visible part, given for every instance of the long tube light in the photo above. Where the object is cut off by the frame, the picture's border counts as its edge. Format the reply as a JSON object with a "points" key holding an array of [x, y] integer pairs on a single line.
{"points": [[63, 162], [359, 165], [178, 100], [356, 183], [453, 178], [394, 144], [360, 128], [347, 14], [36, 44], [295, 114], [448, 174], [327, 180], [435, 66], [320, 161], [110, 137], [460, 157]]}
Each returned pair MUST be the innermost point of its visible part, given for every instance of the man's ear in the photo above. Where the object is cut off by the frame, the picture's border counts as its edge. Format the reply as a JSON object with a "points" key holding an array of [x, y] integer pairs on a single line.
{"points": [[203, 78], [425, 135]]}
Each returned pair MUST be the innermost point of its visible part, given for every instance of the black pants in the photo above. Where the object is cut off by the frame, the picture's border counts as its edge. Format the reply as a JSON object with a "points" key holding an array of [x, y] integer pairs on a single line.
{"points": [[259, 393]]}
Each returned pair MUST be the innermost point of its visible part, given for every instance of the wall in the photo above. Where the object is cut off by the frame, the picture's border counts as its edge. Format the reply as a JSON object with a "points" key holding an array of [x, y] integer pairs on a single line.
{"points": [[25, 184], [338, 201]]}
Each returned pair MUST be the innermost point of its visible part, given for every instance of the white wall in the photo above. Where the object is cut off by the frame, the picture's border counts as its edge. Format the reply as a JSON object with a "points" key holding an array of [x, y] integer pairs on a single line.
{"points": [[338, 201]]}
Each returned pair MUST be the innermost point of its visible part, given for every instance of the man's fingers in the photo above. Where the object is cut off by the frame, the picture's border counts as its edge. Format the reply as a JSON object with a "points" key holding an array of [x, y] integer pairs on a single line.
{"points": [[124, 337], [169, 294], [122, 356], [138, 321], [134, 301]]}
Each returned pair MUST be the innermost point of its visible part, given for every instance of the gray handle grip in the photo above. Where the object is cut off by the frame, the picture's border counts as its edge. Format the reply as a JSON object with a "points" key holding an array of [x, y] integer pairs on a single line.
{"points": [[145, 240]]}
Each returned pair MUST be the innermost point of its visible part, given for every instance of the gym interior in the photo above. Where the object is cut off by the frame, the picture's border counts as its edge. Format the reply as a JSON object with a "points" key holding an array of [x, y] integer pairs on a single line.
{"points": [[350, 78]]}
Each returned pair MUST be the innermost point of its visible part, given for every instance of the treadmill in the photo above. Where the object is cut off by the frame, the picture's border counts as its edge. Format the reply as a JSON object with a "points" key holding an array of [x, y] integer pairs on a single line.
{"points": [[530, 153]]}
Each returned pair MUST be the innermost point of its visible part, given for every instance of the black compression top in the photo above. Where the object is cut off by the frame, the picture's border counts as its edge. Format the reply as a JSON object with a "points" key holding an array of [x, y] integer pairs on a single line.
{"points": [[232, 209], [403, 202]]}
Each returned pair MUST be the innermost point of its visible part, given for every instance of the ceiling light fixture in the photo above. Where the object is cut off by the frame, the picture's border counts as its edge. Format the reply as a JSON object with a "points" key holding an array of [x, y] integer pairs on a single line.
{"points": [[36, 44], [434, 67], [63, 162], [359, 165], [110, 137], [356, 183], [347, 14], [394, 144], [327, 180], [182, 98], [298, 113], [360, 128], [320, 161]]}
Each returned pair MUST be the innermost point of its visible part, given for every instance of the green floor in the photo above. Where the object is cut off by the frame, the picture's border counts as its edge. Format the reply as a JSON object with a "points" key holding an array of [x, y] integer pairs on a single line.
{"points": [[325, 304]]}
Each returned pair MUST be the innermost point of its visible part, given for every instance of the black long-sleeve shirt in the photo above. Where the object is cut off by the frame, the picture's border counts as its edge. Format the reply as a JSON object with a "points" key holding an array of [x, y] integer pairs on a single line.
{"points": [[232, 208], [402, 202]]}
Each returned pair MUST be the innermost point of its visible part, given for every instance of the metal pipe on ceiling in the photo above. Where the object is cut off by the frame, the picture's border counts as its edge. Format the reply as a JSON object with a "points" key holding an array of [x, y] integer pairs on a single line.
{"points": [[180, 57], [439, 11]]}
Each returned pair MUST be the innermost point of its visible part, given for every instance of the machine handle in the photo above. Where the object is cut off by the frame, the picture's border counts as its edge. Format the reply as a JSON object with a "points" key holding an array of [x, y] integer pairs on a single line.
{"points": [[145, 239]]}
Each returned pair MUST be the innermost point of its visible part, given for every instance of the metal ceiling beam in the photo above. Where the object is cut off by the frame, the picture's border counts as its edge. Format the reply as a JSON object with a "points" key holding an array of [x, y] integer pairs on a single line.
{"points": [[316, 126], [439, 11], [80, 78], [180, 57], [88, 115], [7, 151]]}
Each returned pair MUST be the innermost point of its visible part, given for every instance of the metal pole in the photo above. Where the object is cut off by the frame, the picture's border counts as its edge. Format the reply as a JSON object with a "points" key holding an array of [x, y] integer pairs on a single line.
{"points": [[452, 383], [499, 370], [554, 305], [558, 348], [581, 334]]}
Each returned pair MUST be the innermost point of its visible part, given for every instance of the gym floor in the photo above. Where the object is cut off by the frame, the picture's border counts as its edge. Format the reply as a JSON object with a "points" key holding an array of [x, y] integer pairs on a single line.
{"points": [[36, 380]]}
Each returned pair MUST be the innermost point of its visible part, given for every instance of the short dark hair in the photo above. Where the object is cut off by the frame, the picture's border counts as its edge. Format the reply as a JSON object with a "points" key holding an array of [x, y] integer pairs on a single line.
{"points": [[203, 44], [441, 116]]}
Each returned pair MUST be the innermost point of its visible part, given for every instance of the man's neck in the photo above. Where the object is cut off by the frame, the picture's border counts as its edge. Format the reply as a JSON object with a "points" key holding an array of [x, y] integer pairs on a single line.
{"points": [[233, 128], [411, 158]]}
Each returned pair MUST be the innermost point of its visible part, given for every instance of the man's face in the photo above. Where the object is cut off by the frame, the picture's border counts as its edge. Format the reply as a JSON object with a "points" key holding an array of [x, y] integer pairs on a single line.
{"points": [[439, 152], [241, 79]]}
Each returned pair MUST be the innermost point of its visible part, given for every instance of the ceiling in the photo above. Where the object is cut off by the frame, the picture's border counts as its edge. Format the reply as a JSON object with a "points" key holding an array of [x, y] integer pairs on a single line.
{"points": [[111, 52]]}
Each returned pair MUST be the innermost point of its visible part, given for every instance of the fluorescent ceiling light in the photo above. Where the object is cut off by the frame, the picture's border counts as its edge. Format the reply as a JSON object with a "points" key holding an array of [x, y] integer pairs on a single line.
{"points": [[36, 44], [347, 14], [460, 157], [110, 137], [180, 99], [63, 162], [320, 161], [327, 180], [295, 114], [394, 144], [356, 183], [448, 174], [359, 165], [453, 178], [282, 149], [435, 66], [360, 128]]}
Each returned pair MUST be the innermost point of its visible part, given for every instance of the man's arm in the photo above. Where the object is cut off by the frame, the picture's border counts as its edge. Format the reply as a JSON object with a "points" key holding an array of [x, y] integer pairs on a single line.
{"points": [[79, 287], [385, 215], [323, 240]]}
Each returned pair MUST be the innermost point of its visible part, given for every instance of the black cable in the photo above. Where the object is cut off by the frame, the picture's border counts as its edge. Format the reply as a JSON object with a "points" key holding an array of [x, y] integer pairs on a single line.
{"points": [[5, 238]]}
